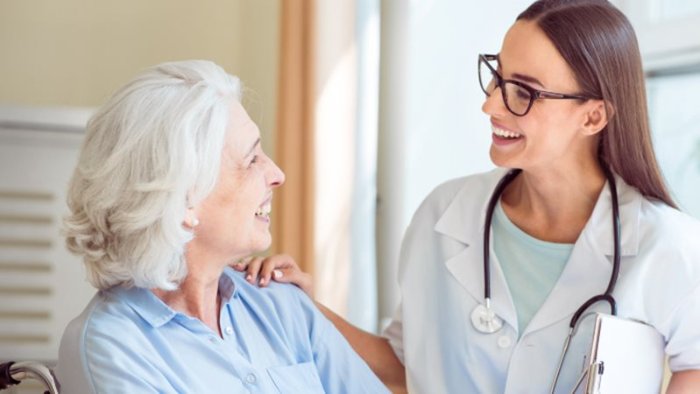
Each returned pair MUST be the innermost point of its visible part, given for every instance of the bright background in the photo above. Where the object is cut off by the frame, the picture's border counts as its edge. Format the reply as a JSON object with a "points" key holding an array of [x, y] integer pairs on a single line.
{"points": [[397, 112]]}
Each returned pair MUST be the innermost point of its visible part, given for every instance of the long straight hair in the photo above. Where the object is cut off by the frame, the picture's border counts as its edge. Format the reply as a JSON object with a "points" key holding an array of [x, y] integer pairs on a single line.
{"points": [[599, 44]]}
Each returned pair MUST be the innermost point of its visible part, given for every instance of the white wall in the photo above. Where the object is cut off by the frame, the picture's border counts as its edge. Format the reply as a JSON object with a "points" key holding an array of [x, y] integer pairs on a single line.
{"points": [[74, 53], [346, 78], [431, 125]]}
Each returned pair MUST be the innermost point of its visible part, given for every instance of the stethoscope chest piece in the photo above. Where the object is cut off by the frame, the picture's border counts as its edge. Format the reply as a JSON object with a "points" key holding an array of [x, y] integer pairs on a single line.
{"points": [[485, 320]]}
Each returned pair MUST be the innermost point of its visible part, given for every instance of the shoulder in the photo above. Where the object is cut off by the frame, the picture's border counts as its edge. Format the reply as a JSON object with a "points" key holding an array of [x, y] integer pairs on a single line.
{"points": [[286, 311], [92, 340], [665, 270], [657, 217], [471, 189], [92, 321], [284, 303], [669, 265], [107, 317], [667, 230], [275, 292], [662, 239]]}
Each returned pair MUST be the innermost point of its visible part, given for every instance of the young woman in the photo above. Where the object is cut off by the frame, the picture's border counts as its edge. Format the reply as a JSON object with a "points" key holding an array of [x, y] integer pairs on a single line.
{"points": [[566, 100]]}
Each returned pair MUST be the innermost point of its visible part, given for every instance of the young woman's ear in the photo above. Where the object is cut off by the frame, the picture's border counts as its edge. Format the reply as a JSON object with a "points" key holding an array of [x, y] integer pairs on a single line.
{"points": [[598, 116]]}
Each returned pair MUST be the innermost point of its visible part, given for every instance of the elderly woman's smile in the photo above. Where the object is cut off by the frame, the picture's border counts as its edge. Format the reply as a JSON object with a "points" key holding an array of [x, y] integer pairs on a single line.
{"points": [[263, 212]]}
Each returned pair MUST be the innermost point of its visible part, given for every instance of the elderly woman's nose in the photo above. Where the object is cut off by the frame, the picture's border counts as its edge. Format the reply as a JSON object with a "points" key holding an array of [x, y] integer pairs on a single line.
{"points": [[276, 175]]}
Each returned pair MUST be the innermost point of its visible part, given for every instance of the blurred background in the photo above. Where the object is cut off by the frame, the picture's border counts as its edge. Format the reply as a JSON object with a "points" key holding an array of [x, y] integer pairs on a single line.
{"points": [[366, 104]]}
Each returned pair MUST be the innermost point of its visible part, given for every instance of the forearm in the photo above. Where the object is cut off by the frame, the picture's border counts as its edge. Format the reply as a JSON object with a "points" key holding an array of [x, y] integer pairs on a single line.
{"points": [[684, 382], [374, 349]]}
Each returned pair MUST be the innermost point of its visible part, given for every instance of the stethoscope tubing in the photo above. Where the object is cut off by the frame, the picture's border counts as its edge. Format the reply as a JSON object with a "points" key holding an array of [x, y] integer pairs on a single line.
{"points": [[617, 228], [493, 323], [500, 187]]}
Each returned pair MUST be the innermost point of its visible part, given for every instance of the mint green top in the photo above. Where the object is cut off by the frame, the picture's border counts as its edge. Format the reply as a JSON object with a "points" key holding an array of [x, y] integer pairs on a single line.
{"points": [[531, 266]]}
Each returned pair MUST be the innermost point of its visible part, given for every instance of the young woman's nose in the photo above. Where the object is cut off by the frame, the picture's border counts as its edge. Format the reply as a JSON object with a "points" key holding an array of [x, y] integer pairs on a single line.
{"points": [[493, 104]]}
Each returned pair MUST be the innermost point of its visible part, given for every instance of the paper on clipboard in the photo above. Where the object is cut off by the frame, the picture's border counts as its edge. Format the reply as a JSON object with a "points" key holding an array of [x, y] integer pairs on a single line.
{"points": [[626, 356]]}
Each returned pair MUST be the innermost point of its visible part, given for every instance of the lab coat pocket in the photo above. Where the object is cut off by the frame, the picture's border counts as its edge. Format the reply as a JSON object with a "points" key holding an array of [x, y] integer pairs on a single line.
{"points": [[298, 378]]}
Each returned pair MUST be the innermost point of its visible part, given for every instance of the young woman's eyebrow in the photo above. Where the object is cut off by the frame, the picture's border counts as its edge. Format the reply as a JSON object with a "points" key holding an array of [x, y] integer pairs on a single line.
{"points": [[527, 78]]}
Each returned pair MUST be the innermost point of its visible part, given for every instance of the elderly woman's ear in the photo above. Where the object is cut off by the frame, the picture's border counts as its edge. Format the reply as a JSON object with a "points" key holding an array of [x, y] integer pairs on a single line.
{"points": [[191, 220]]}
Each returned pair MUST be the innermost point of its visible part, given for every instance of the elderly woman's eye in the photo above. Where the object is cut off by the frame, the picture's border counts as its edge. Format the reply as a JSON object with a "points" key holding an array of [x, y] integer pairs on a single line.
{"points": [[253, 160]]}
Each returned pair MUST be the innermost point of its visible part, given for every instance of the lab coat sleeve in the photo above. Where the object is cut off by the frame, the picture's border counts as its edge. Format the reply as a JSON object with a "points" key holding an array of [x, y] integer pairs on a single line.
{"points": [[683, 346], [394, 333], [419, 232]]}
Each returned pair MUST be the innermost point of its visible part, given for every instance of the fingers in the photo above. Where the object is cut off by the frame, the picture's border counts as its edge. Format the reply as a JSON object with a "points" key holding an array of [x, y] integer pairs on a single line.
{"points": [[268, 267], [274, 265], [253, 270], [260, 270], [242, 264], [280, 268]]}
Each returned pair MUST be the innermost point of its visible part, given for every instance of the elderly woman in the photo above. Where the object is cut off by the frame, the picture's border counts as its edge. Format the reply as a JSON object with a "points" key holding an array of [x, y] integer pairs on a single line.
{"points": [[172, 185]]}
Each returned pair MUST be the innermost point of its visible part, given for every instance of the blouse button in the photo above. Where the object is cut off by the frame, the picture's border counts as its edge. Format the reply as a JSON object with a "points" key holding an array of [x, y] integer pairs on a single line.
{"points": [[504, 341], [229, 330], [250, 378]]}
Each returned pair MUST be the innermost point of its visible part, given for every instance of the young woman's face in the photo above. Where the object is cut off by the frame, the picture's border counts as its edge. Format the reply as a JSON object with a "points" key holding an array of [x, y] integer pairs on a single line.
{"points": [[550, 134]]}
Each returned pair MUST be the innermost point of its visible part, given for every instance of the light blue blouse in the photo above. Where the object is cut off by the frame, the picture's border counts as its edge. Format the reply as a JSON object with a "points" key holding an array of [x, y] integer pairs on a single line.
{"points": [[274, 341], [531, 266]]}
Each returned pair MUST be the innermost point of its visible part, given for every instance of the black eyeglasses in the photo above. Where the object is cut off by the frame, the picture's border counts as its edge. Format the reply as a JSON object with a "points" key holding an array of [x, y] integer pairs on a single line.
{"points": [[517, 96]]}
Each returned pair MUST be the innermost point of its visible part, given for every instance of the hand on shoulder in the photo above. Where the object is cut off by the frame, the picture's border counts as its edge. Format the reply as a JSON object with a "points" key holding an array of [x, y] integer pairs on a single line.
{"points": [[281, 268]]}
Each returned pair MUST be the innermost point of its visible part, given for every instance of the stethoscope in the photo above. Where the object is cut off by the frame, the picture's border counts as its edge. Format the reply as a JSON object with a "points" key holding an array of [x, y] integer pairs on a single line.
{"points": [[486, 321]]}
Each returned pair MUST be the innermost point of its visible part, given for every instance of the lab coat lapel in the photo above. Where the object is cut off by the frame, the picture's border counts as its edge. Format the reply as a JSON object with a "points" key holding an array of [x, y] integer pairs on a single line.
{"points": [[463, 221], [588, 271]]}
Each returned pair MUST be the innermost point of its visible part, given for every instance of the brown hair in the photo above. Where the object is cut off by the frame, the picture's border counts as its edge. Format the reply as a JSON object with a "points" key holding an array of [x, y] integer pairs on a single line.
{"points": [[599, 44]]}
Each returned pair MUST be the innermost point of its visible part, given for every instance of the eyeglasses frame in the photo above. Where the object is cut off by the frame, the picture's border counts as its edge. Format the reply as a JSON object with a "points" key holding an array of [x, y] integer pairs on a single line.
{"points": [[535, 94]]}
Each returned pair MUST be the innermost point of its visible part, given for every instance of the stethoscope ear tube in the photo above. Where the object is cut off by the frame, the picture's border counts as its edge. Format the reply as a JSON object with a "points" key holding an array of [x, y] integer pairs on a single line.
{"points": [[505, 181], [607, 296], [483, 318], [617, 229]]}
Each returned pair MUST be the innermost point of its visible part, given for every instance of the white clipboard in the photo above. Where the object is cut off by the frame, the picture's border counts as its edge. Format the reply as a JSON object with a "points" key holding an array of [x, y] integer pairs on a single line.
{"points": [[626, 356]]}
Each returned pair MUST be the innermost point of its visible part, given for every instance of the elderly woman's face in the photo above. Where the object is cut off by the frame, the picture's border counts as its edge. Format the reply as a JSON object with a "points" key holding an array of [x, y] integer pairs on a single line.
{"points": [[234, 219]]}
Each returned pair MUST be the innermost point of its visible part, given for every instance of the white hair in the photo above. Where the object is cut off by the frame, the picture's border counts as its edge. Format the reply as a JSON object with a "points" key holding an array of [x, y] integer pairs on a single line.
{"points": [[150, 152]]}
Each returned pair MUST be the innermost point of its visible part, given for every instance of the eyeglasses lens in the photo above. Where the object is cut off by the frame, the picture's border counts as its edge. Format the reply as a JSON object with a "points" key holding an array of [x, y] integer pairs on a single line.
{"points": [[486, 78], [517, 99]]}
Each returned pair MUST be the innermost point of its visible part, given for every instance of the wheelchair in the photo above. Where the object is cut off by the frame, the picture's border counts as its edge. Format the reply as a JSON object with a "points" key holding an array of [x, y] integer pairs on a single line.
{"points": [[13, 373]]}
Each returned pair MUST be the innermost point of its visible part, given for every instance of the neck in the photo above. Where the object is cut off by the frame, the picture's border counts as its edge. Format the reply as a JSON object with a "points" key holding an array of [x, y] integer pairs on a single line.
{"points": [[197, 296], [554, 205]]}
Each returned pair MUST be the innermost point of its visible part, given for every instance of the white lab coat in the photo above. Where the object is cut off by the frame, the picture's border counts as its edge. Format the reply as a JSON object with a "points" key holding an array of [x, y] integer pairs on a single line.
{"points": [[441, 281]]}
